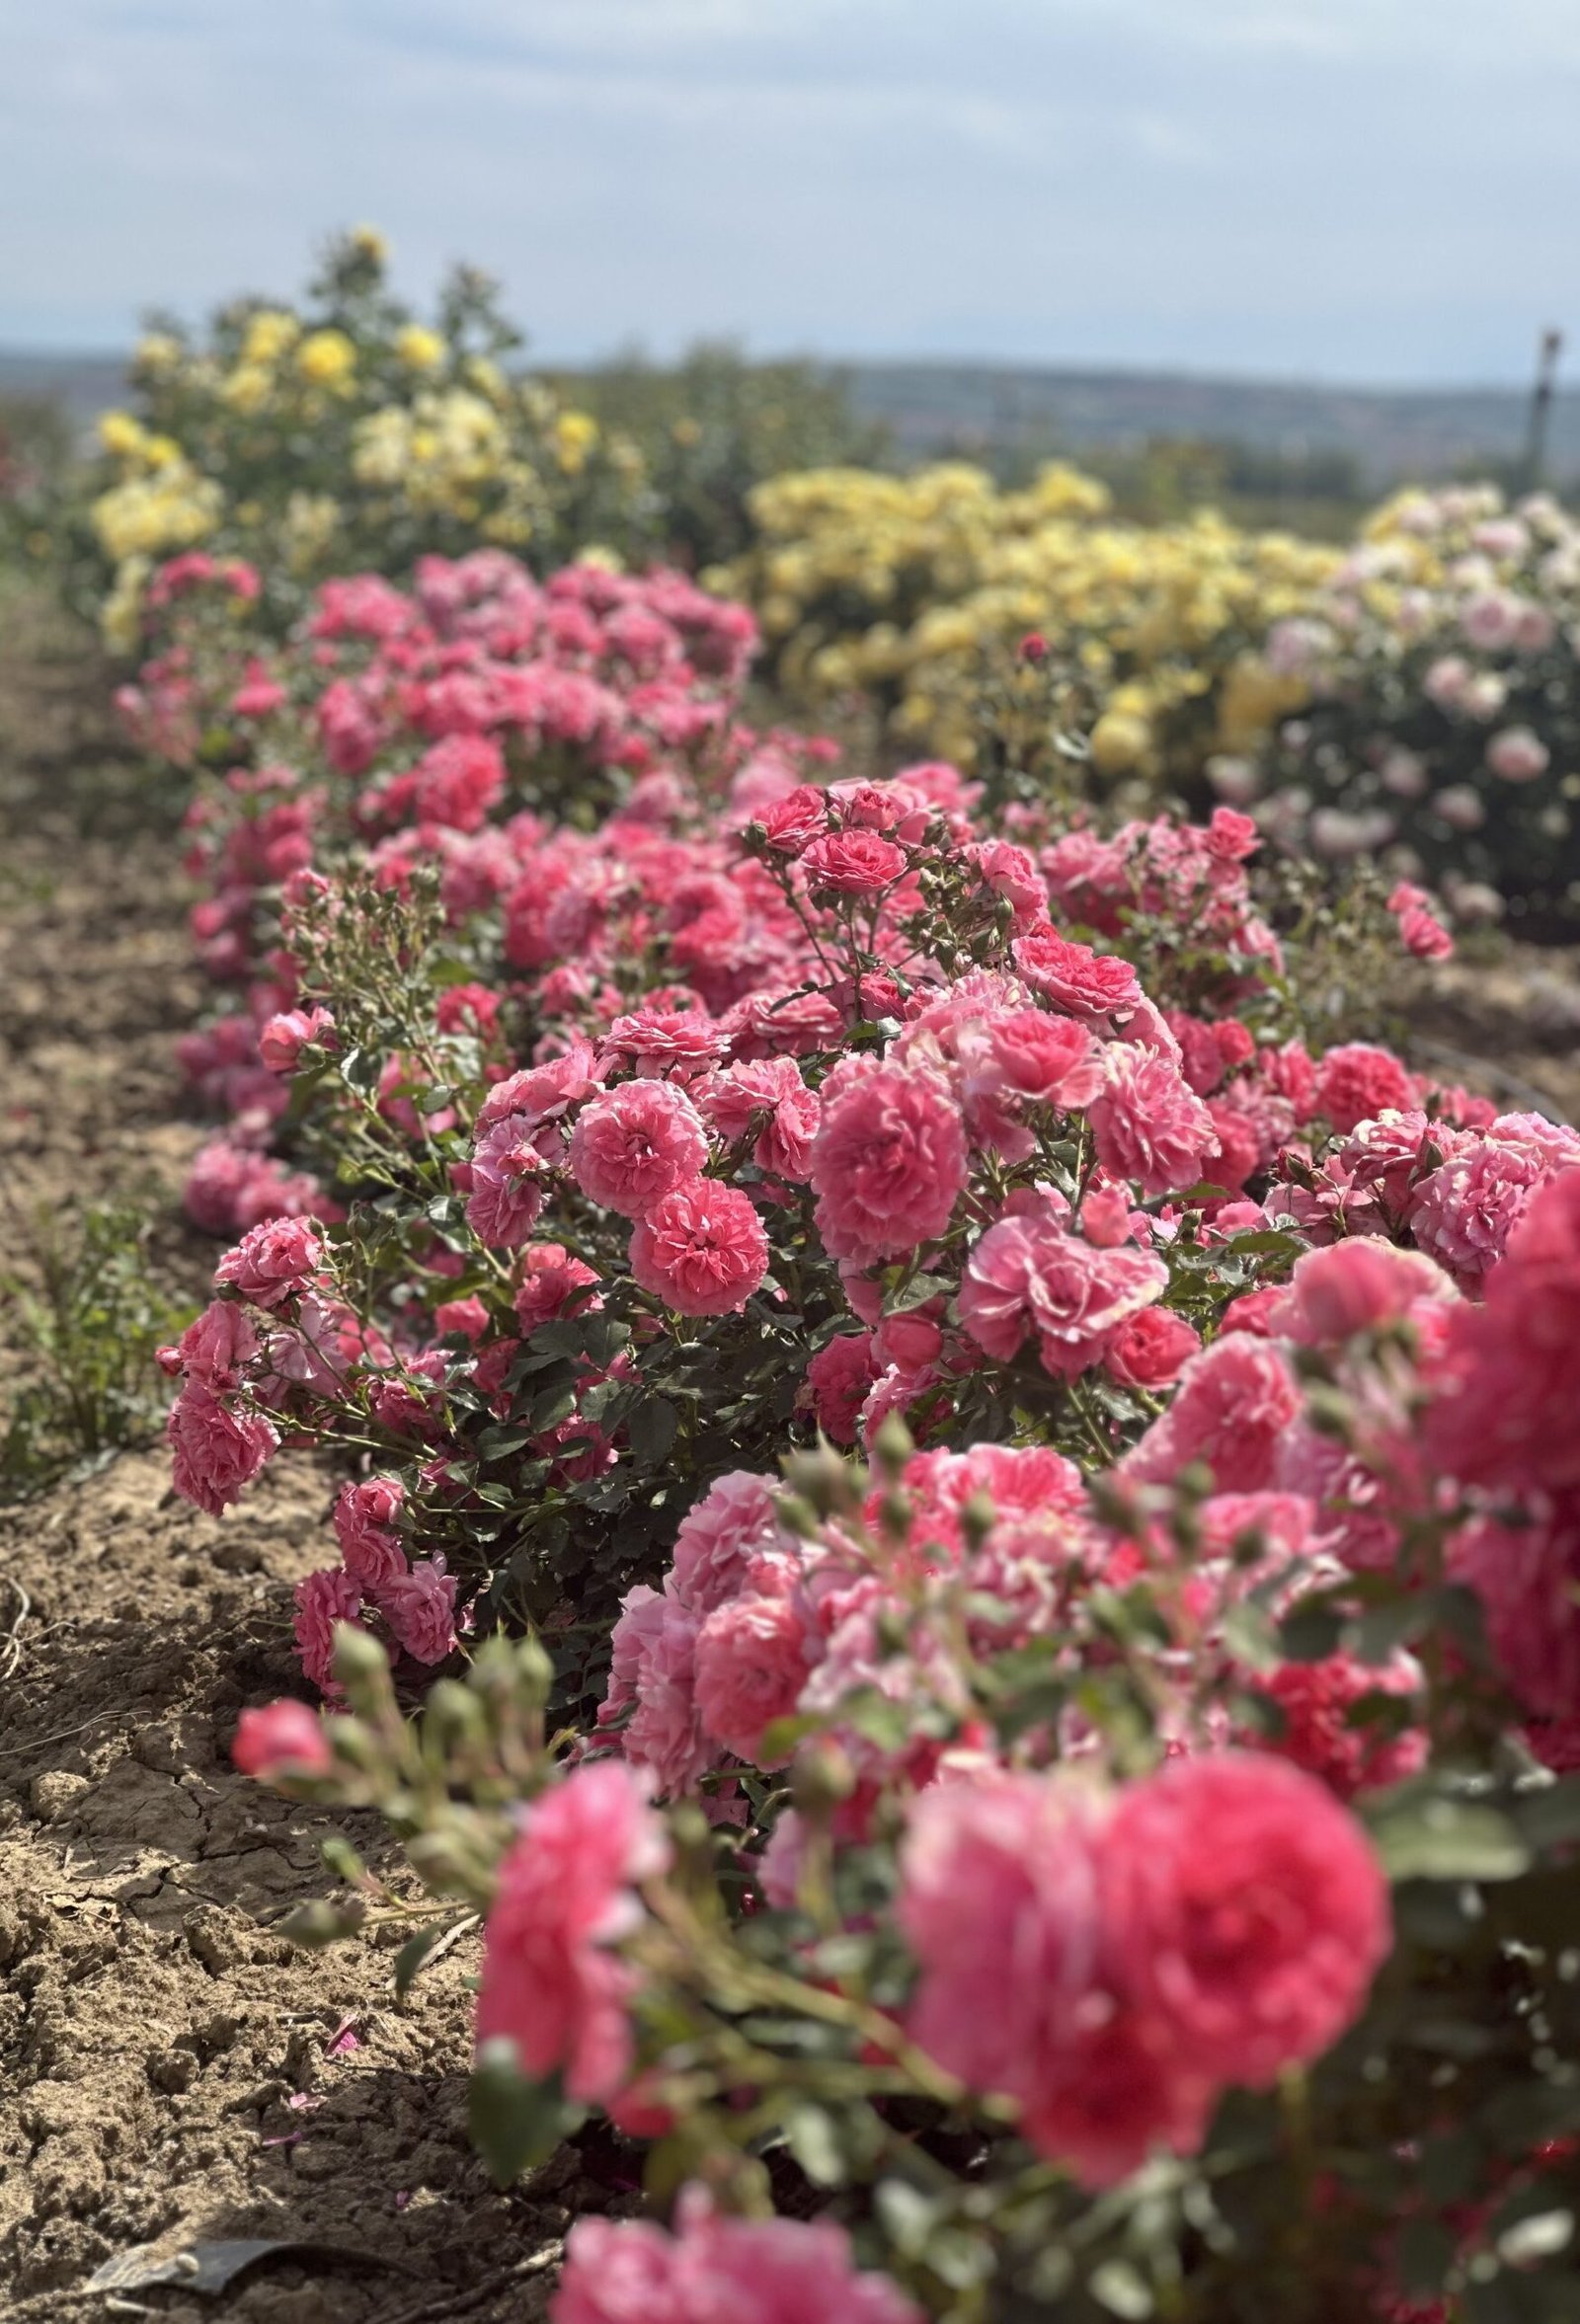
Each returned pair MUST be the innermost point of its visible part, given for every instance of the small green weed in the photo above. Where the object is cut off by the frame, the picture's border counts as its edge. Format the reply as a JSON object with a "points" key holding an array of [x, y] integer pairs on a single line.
{"points": [[82, 1311]]}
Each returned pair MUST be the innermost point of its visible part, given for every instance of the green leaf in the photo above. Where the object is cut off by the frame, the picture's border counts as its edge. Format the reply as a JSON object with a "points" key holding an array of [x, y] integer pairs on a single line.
{"points": [[343, 1860], [652, 1430], [1120, 2289], [515, 2122], [812, 2138], [1550, 1815], [320, 1923], [415, 1951], [1441, 1839]]}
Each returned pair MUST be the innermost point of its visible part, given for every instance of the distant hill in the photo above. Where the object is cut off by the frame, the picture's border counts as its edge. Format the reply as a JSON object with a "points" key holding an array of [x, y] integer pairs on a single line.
{"points": [[1388, 433], [85, 385]]}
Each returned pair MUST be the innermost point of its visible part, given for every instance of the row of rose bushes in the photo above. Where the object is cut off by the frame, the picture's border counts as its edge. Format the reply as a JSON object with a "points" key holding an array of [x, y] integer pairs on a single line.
{"points": [[1103, 1840], [1416, 696]]}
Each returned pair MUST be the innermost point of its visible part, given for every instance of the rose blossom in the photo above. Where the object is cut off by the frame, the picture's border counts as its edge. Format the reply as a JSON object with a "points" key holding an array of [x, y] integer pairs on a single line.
{"points": [[769, 1086], [1075, 977], [1355, 1082], [1001, 1901], [1149, 1349], [720, 1535], [507, 1183], [839, 1377], [419, 1605], [1232, 1408], [1028, 1275], [272, 1261], [752, 1656], [286, 1036], [1503, 1410], [700, 1249], [1249, 1910], [550, 1281], [281, 1740], [1148, 1123], [887, 1164], [551, 1984], [365, 1521], [216, 1452], [1518, 755], [324, 1599], [853, 863], [634, 1144], [214, 1347], [720, 2271]]}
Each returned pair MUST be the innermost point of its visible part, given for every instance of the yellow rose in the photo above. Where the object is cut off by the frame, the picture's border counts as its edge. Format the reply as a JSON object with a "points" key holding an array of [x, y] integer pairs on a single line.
{"points": [[369, 244], [326, 358], [575, 436], [247, 389], [270, 333], [157, 353], [1120, 741], [419, 349], [121, 434]]}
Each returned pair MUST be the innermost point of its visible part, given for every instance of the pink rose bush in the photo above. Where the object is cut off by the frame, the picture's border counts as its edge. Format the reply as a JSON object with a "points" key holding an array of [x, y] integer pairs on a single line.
{"points": [[1038, 1495]]}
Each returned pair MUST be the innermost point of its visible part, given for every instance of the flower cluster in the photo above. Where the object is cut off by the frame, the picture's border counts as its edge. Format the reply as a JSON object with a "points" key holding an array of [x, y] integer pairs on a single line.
{"points": [[633, 1107], [911, 588], [1443, 717]]}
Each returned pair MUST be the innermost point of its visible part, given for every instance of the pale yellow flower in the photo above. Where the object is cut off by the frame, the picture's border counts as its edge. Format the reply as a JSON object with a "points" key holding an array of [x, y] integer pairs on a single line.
{"points": [[271, 333], [327, 358], [123, 434], [419, 349]]}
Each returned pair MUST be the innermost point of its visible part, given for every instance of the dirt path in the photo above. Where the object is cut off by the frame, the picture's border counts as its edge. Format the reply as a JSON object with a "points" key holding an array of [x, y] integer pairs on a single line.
{"points": [[170, 2067]]}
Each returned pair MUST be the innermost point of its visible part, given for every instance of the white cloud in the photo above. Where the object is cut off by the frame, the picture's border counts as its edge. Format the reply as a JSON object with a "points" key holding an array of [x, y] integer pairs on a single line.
{"points": [[1347, 186]]}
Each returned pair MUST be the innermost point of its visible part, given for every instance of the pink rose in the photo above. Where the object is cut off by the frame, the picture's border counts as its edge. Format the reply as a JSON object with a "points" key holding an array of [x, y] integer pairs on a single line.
{"points": [[1149, 1349], [506, 1192], [720, 2271], [550, 1282], [419, 1605], [839, 1377], [633, 1145], [285, 1037], [700, 1249], [1233, 1404], [1518, 755], [1248, 1911], [1356, 1082], [1002, 1902], [273, 1262], [887, 1164], [281, 1740], [216, 1452], [1148, 1123], [1027, 1274], [853, 863], [552, 1986], [734, 1522], [1073, 976], [753, 1656], [365, 1521], [323, 1601]]}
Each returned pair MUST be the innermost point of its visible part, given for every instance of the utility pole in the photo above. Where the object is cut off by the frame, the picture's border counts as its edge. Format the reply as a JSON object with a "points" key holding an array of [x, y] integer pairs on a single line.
{"points": [[1549, 349]]}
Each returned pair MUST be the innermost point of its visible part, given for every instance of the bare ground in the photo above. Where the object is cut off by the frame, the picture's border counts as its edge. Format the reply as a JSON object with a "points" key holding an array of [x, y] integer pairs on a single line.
{"points": [[171, 2068]]}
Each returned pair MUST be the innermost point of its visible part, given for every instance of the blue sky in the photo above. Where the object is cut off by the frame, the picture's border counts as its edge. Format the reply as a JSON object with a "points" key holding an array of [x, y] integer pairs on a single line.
{"points": [[1372, 190]]}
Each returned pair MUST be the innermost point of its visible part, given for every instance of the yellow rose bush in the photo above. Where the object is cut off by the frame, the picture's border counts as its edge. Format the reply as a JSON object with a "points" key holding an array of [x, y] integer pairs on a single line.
{"points": [[916, 590], [345, 433]]}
